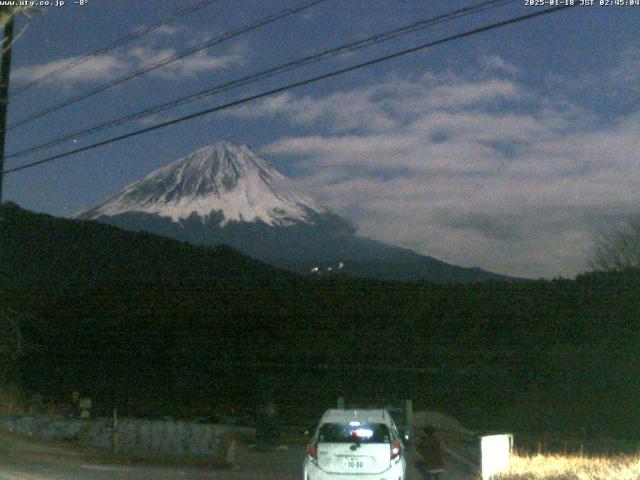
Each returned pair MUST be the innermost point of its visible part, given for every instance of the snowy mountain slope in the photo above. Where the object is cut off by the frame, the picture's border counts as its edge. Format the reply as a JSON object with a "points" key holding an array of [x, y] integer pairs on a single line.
{"points": [[222, 178], [226, 194]]}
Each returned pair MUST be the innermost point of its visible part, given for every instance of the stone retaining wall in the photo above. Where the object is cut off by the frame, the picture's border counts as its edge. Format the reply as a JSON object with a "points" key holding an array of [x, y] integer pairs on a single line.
{"points": [[160, 437]]}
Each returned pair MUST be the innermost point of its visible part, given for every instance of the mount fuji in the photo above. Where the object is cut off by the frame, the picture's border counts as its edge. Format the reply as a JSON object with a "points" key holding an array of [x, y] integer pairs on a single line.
{"points": [[221, 179], [226, 194]]}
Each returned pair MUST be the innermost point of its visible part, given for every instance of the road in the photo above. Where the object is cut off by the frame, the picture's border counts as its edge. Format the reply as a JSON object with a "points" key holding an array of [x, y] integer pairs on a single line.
{"points": [[23, 459]]}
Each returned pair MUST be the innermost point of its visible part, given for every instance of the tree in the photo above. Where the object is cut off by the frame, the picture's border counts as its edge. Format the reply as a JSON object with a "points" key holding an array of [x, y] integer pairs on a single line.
{"points": [[12, 349], [618, 249], [11, 339], [8, 13]]}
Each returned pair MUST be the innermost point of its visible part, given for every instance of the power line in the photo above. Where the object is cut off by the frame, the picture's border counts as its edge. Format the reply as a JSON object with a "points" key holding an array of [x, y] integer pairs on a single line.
{"points": [[350, 47], [118, 43], [290, 86], [178, 56]]}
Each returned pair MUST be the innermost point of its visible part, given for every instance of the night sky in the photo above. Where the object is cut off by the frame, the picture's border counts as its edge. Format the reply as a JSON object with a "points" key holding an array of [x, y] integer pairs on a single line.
{"points": [[507, 150]]}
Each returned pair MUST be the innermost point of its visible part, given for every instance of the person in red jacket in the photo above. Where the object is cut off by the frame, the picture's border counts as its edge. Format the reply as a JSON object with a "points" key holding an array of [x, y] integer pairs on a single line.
{"points": [[429, 446]]}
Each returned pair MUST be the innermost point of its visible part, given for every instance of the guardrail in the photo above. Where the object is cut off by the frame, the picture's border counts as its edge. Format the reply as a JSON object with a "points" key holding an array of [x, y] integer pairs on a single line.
{"points": [[463, 447], [472, 465], [483, 454]]}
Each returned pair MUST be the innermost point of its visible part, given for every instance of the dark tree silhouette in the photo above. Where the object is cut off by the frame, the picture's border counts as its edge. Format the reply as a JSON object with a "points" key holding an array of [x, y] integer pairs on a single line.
{"points": [[11, 340], [618, 249]]}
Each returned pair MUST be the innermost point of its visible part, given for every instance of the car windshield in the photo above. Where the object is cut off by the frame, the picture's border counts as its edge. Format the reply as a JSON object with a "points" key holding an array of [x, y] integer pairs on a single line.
{"points": [[348, 433]]}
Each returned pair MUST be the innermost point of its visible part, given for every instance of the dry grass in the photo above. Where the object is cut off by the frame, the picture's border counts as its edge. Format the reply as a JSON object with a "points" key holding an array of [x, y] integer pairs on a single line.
{"points": [[573, 467]]}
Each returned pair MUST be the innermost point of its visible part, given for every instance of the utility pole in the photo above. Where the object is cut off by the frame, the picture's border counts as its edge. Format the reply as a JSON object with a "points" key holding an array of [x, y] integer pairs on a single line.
{"points": [[5, 72]]}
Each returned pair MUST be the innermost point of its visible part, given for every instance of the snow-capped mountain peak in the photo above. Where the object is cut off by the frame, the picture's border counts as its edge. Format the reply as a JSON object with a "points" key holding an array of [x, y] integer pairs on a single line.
{"points": [[220, 178]]}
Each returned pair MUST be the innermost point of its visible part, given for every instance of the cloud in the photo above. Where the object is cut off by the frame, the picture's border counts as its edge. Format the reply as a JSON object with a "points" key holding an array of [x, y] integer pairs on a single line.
{"points": [[100, 68], [386, 105], [153, 50], [341, 111], [628, 70], [616, 88], [169, 30], [488, 225], [451, 167], [498, 64], [201, 62]]}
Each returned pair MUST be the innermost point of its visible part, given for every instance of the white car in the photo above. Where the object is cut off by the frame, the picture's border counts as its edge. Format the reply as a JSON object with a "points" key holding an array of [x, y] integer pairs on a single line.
{"points": [[356, 445]]}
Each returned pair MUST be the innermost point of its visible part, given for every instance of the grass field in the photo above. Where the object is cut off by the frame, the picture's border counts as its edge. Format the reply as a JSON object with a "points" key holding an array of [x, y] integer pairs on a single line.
{"points": [[573, 467]]}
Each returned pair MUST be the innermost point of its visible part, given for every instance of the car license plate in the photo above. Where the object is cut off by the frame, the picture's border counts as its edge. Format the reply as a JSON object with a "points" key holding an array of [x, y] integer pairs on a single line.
{"points": [[354, 463]]}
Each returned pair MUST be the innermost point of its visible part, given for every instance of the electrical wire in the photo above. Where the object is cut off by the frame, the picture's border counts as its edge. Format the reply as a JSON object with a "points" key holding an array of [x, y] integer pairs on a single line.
{"points": [[118, 43], [178, 56], [286, 67], [290, 86]]}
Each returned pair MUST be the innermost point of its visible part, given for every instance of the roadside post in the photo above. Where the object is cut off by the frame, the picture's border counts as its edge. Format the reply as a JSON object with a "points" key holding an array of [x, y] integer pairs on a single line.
{"points": [[408, 410], [75, 399], [85, 407], [114, 439], [268, 425], [231, 453]]}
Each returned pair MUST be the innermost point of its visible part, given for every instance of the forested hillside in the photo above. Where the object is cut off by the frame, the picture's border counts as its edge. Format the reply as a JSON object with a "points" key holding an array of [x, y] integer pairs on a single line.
{"points": [[159, 327]]}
